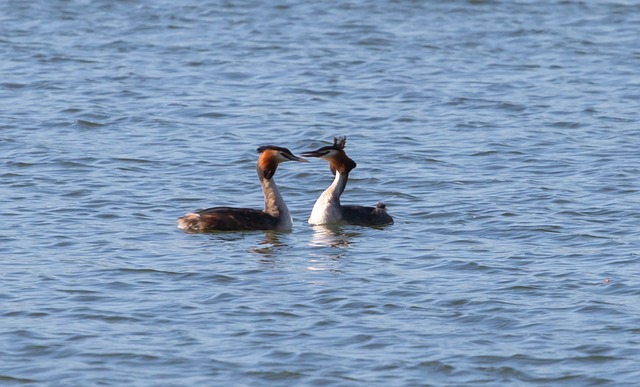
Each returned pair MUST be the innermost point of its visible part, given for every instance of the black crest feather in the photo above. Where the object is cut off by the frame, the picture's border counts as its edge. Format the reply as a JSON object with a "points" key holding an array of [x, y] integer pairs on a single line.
{"points": [[339, 142], [273, 147]]}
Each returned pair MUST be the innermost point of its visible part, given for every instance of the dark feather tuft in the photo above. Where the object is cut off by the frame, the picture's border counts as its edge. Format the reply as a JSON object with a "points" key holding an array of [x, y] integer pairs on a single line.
{"points": [[339, 142], [273, 147]]}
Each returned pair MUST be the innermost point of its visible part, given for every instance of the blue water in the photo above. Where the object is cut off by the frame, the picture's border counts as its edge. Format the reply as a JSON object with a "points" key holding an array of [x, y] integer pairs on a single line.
{"points": [[502, 135]]}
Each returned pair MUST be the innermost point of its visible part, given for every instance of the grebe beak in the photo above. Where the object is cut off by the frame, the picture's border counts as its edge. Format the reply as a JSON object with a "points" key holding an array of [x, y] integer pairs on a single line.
{"points": [[315, 153], [296, 158]]}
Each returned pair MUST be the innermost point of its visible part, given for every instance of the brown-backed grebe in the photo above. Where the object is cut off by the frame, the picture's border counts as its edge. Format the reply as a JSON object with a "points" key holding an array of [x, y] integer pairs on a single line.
{"points": [[275, 215], [328, 209]]}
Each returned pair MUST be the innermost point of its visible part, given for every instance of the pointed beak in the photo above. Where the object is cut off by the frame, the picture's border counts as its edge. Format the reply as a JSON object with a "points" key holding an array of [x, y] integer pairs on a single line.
{"points": [[299, 159], [315, 153]]}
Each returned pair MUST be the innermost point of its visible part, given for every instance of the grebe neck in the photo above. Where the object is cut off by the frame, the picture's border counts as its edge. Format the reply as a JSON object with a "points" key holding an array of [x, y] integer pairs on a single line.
{"points": [[274, 204], [327, 208]]}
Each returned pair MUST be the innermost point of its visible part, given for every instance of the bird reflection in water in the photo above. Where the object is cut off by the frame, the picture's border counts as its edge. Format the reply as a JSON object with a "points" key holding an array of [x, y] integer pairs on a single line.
{"points": [[270, 248], [331, 236], [329, 243], [326, 248]]}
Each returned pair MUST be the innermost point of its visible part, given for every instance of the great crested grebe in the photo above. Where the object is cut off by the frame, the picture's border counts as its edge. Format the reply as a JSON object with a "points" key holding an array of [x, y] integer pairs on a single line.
{"points": [[275, 215], [328, 209]]}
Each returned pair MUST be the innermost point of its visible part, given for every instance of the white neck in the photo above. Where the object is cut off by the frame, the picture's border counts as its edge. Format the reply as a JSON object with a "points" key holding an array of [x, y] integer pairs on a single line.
{"points": [[327, 208], [274, 204]]}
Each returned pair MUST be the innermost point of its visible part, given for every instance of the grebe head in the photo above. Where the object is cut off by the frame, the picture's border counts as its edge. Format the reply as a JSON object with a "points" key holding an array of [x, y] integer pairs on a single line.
{"points": [[271, 156], [335, 155]]}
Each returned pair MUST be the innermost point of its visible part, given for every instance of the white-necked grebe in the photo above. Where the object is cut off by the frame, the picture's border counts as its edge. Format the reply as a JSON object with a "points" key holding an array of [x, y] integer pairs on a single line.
{"points": [[328, 209], [275, 215]]}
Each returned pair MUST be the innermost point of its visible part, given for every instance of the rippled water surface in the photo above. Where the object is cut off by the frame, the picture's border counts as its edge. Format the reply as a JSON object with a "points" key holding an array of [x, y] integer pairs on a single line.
{"points": [[502, 135]]}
